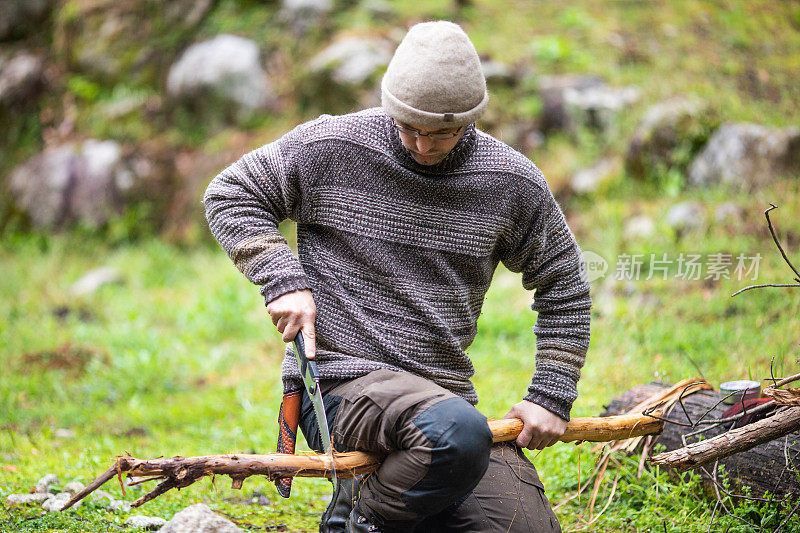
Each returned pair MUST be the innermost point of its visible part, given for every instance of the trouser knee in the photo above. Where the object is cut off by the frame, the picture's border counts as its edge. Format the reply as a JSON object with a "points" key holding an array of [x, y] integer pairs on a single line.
{"points": [[461, 441]]}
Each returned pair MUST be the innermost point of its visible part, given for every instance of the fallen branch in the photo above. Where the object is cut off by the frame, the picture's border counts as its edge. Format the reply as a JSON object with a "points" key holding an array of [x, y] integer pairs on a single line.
{"points": [[734, 441], [784, 396], [783, 254], [179, 472]]}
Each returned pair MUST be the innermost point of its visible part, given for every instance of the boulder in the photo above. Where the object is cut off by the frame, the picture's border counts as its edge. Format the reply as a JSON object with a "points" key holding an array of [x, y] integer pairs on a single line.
{"points": [[102, 495], [118, 505], [498, 73], [728, 212], [43, 485], [301, 15], [74, 182], [149, 523], [74, 487], [596, 107], [552, 89], [352, 61], [57, 502], [91, 181], [21, 78], [225, 70], [668, 136], [747, 156], [521, 135], [199, 518], [21, 17], [345, 75], [639, 226], [685, 217], [22, 499], [588, 180]]}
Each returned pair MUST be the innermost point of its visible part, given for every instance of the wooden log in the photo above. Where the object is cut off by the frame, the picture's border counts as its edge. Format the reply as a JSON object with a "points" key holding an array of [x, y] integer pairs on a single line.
{"points": [[766, 467], [734, 441], [591, 429], [178, 472]]}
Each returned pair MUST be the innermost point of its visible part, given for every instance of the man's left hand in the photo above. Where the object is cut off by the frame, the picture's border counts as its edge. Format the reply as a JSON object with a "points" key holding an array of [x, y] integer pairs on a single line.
{"points": [[542, 428]]}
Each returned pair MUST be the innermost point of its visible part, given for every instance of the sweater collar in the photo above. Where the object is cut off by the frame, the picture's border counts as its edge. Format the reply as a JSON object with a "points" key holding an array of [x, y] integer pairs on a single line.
{"points": [[457, 156]]}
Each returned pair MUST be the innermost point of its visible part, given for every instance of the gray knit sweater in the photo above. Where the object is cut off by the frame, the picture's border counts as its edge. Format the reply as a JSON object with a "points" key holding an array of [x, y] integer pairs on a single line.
{"points": [[399, 256]]}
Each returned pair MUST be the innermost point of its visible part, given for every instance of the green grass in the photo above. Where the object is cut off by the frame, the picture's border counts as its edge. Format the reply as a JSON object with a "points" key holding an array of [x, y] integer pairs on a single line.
{"points": [[180, 359]]}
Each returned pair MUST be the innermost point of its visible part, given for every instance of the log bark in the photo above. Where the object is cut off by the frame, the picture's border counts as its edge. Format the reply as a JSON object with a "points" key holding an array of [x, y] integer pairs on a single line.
{"points": [[179, 472], [769, 466]]}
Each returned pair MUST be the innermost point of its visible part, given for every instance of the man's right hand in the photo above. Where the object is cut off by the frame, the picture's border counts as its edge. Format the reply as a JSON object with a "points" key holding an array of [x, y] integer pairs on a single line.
{"points": [[292, 312]]}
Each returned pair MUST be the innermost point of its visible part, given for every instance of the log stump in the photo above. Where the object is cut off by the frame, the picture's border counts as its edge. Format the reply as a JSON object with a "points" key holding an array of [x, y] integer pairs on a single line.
{"points": [[773, 466]]}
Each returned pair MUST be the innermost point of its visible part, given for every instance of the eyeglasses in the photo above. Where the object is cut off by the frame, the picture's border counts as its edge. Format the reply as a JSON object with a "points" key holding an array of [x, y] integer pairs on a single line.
{"points": [[436, 136]]}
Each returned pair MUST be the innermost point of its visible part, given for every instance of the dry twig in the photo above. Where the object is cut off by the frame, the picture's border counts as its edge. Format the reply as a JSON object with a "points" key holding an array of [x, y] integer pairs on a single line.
{"points": [[785, 258]]}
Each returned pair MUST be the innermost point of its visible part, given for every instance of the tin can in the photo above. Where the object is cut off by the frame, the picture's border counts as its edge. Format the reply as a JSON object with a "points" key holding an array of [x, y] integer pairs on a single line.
{"points": [[737, 391]]}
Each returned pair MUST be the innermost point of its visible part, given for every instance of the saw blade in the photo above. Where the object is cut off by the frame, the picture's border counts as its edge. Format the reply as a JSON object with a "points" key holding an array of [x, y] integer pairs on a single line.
{"points": [[310, 374]]}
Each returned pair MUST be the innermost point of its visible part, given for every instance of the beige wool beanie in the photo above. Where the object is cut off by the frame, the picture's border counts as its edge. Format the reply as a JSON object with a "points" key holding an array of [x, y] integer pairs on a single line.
{"points": [[435, 80]]}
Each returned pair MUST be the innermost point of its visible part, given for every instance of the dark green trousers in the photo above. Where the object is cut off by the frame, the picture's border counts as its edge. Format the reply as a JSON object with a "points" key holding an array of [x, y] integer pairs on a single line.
{"points": [[440, 472]]}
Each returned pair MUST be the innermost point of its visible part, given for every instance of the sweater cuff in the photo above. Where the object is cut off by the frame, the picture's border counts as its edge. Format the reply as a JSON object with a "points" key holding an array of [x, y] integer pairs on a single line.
{"points": [[283, 285], [553, 390]]}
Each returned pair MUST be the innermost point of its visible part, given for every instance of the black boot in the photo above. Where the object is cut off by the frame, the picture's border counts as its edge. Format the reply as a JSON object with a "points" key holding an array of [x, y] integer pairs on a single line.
{"points": [[359, 523], [335, 517]]}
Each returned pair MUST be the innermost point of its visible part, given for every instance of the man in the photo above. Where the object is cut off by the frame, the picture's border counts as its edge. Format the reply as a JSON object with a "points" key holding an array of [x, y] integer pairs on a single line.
{"points": [[403, 213]]}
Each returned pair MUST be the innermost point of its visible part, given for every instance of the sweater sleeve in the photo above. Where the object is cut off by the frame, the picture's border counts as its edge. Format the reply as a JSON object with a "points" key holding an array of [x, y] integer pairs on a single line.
{"points": [[546, 253], [244, 205]]}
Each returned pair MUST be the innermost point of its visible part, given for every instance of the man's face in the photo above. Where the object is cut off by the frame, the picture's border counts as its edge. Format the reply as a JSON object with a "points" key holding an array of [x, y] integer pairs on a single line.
{"points": [[424, 150]]}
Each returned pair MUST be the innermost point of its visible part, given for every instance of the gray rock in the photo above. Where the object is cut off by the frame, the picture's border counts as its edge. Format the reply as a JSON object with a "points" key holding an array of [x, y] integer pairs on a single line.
{"points": [[94, 279], [57, 502], [728, 211], [299, 8], [72, 183], [522, 136], [597, 107], [588, 180], [228, 68], [639, 226], [22, 499], [150, 523], [118, 506], [43, 485], [668, 136], [21, 78], [497, 72], [64, 433], [199, 518], [303, 14], [40, 185], [352, 61], [74, 487], [102, 495], [747, 156], [686, 216], [552, 89]]}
